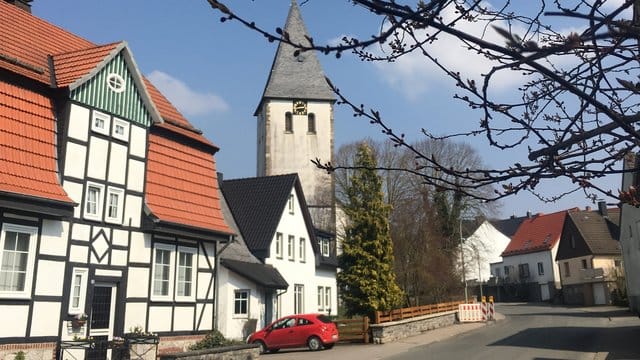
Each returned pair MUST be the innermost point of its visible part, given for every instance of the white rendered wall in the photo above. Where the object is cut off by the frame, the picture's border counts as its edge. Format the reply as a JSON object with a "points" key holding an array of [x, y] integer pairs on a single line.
{"points": [[551, 273], [229, 324], [490, 243], [296, 271], [327, 278]]}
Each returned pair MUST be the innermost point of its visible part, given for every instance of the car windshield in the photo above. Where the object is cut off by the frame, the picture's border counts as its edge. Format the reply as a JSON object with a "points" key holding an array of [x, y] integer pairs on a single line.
{"points": [[325, 319]]}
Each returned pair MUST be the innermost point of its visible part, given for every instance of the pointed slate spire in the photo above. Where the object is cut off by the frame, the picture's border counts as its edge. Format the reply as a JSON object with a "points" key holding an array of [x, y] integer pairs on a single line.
{"points": [[298, 77]]}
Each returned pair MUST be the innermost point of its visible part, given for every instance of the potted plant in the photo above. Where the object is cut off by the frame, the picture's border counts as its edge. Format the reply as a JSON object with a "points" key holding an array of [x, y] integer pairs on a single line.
{"points": [[79, 320]]}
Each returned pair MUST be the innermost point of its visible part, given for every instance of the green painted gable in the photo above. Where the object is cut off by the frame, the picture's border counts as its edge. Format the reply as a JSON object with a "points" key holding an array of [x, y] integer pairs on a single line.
{"points": [[126, 105]]}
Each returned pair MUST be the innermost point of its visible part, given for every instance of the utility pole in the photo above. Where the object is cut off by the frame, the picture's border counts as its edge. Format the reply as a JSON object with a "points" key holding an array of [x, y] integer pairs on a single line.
{"points": [[479, 274], [464, 275]]}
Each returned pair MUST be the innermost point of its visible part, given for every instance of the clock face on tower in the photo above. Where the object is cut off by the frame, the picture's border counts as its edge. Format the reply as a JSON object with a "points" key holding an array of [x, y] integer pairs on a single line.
{"points": [[299, 107]]}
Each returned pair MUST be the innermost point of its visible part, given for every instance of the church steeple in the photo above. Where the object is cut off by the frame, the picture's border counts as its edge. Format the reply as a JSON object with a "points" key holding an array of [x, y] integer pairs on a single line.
{"points": [[295, 122], [298, 77]]}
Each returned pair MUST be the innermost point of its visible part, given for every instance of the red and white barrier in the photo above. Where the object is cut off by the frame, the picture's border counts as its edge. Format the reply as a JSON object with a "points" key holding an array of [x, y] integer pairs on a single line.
{"points": [[470, 312]]}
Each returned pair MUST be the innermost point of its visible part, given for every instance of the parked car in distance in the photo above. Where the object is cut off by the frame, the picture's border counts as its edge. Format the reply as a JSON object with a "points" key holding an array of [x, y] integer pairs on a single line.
{"points": [[315, 331]]}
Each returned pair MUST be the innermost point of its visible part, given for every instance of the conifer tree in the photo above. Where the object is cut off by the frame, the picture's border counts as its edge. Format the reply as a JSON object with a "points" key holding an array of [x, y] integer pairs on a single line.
{"points": [[367, 282]]}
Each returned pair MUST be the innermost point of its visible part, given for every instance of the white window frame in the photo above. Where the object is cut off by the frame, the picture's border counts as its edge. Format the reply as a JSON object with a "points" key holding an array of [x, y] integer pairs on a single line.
{"points": [[291, 204], [236, 299], [320, 298], [172, 261], [302, 245], [99, 201], [82, 296], [104, 117], [540, 268], [327, 298], [325, 249], [120, 205], [125, 125], [194, 268], [28, 281], [291, 247], [119, 80], [279, 244], [298, 298]]}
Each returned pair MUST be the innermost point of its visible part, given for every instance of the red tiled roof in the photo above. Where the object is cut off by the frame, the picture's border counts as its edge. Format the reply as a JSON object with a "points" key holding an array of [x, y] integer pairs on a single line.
{"points": [[182, 185], [28, 163], [26, 42], [539, 233], [73, 65]]}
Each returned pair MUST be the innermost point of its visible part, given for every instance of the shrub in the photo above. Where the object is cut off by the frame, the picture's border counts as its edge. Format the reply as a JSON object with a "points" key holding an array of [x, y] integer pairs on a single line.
{"points": [[213, 339], [20, 355]]}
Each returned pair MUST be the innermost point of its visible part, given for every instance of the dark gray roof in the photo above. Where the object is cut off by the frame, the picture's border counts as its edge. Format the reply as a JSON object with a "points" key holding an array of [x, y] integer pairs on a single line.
{"points": [[265, 275], [236, 250], [257, 205], [600, 233], [294, 77], [508, 226]]}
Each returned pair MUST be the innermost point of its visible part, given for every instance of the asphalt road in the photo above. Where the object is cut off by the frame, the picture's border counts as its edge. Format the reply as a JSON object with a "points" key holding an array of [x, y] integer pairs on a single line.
{"points": [[532, 332]]}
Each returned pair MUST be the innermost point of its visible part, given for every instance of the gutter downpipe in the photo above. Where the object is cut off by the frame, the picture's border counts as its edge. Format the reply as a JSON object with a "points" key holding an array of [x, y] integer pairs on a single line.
{"points": [[278, 301], [232, 239]]}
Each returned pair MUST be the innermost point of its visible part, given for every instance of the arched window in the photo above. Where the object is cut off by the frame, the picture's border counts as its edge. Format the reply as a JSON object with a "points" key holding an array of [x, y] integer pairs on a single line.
{"points": [[311, 123], [288, 122]]}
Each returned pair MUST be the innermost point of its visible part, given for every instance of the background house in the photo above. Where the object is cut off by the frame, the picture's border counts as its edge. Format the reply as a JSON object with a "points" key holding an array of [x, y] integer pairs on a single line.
{"points": [[630, 235], [528, 269], [483, 245], [589, 256], [273, 218]]}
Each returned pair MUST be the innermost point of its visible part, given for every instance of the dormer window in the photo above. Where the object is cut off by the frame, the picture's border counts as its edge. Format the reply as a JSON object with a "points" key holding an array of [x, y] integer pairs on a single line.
{"points": [[115, 83]]}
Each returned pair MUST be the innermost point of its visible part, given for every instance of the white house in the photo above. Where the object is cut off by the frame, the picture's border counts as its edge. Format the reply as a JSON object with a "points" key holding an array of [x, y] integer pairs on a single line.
{"points": [[272, 216], [108, 198], [483, 244], [245, 298], [528, 270], [630, 235]]}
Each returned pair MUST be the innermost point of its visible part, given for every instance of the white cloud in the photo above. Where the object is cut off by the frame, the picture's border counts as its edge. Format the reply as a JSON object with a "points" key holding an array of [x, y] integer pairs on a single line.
{"points": [[414, 74], [187, 100]]}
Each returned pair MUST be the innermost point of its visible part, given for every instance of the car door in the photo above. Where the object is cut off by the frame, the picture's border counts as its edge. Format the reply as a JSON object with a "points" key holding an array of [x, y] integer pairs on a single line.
{"points": [[281, 332], [303, 330]]}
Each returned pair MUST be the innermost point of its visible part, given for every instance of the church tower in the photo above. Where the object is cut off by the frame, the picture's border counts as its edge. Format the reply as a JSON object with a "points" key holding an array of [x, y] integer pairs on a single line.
{"points": [[295, 122]]}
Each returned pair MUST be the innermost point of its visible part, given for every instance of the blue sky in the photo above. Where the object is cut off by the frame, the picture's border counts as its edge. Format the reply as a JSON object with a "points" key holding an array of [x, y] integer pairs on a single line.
{"points": [[215, 73]]}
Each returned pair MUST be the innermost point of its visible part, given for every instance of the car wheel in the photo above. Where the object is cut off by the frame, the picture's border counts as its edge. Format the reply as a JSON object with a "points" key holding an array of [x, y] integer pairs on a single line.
{"points": [[263, 347], [314, 343], [329, 346]]}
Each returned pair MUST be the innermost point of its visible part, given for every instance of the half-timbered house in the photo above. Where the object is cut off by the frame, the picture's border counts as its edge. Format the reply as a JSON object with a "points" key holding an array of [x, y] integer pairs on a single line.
{"points": [[109, 205]]}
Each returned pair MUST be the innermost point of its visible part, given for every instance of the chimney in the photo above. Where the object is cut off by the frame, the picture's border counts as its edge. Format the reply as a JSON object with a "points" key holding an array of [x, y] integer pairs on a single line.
{"points": [[587, 208], [22, 4], [529, 214], [602, 208]]}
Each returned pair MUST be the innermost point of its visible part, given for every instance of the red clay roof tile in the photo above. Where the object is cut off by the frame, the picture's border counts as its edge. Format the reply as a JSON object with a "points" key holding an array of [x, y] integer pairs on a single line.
{"points": [[27, 144], [71, 66], [181, 185], [539, 233]]}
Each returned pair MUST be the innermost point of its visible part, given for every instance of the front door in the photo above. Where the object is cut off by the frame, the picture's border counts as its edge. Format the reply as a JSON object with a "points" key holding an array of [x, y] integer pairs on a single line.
{"points": [[101, 319], [268, 307]]}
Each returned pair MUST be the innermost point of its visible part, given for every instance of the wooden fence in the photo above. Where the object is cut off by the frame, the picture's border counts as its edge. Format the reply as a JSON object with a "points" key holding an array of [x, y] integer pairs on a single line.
{"points": [[407, 313], [356, 329]]}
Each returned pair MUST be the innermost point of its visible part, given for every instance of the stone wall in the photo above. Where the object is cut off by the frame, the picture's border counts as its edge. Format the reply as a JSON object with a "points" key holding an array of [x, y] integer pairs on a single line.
{"points": [[176, 344], [37, 351], [239, 352], [395, 330]]}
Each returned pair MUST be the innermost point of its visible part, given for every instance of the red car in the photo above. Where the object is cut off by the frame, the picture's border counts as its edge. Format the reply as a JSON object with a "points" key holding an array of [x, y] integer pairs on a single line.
{"points": [[315, 331]]}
